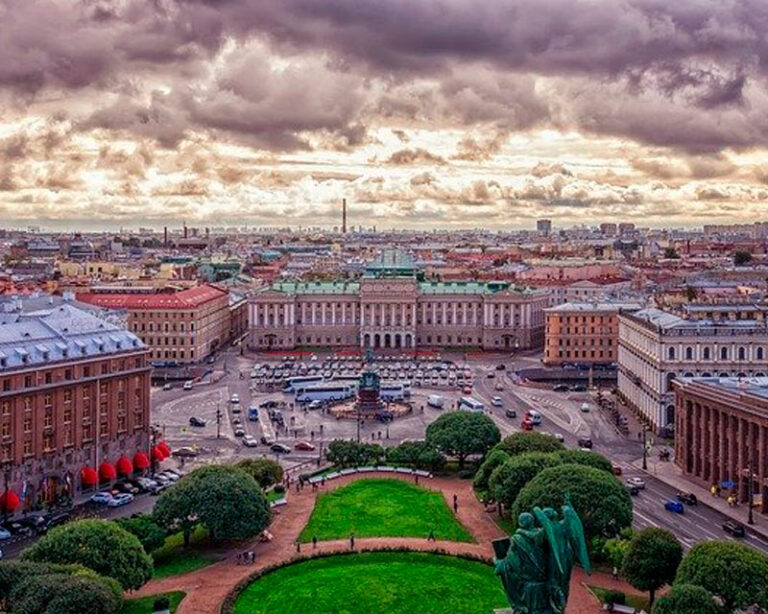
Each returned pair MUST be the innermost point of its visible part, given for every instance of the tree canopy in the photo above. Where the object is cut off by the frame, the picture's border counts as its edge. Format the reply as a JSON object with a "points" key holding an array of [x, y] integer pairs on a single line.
{"points": [[100, 545], [345, 453], [530, 441], [584, 457], [462, 433], [686, 599], [64, 594], [508, 480], [265, 471], [417, 454], [225, 500], [495, 458], [601, 501], [150, 534], [652, 559], [734, 572], [741, 258]]}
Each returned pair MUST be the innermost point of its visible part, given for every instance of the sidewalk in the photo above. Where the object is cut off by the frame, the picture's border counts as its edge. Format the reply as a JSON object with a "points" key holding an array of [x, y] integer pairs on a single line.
{"points": [[669, 473]]}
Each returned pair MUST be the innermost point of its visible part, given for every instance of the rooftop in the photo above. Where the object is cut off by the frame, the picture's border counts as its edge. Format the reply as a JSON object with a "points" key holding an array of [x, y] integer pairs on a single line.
{"points": [[593, 307], [185, 299], [61, 333]]}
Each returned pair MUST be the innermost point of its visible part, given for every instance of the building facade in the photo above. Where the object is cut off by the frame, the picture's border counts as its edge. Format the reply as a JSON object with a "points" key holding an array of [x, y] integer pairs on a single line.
{"points": [[586, 333], [182, 327], [655, 347], [74, 402], [390, 308], [722, 434]]}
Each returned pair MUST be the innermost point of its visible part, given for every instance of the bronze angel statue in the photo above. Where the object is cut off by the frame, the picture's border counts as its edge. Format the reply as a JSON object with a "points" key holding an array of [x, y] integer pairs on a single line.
{"points": [[536, 561]]}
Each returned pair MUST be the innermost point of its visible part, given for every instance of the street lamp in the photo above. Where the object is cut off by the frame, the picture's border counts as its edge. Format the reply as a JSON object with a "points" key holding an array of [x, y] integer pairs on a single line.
{"points": [[645, 448], [750, 494]]}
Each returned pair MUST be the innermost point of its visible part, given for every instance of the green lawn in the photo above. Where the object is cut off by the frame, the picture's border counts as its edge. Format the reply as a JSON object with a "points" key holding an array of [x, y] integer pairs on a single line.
{"points": [[173, 558], [382, 508], [144, 604], [376, 583]]}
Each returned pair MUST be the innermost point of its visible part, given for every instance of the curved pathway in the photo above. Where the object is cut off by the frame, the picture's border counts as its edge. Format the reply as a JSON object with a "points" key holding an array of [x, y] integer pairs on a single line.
{"points": [[206, 588]]}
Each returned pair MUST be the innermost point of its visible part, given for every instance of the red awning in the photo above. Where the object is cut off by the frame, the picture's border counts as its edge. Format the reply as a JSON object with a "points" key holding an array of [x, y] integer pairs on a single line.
{"points": [[9, 500], [157, 454], [124, 466], [107, 472], [140, 461], [88, 477], [164, 449]]}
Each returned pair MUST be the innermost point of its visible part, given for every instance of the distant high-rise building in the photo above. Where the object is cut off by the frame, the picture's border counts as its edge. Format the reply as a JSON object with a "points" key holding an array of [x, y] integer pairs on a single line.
{"points": [[344, 216], [626, 228], [544, 226], [608, 229]]}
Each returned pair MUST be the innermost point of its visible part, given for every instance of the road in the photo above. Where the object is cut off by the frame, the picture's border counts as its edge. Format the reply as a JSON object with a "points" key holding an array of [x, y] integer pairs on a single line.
{"points": [[561, 414]]}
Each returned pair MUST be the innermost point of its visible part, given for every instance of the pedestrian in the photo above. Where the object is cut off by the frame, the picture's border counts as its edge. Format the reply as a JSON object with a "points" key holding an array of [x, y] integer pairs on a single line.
{"points": [[298, 546], [615, 573], [314, 542], [298, 486], [322, 481], [352, 541], [416, 478], [431, 536], [239, 558], [455, 504]]}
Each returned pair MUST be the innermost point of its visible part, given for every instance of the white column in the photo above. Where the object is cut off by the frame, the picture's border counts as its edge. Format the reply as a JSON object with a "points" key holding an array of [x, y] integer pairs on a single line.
{"points": [[413, 315], [445, 312], [402, 314], [322, 313], [312, 311], [434, 313], [455, 311], [333, 314]]}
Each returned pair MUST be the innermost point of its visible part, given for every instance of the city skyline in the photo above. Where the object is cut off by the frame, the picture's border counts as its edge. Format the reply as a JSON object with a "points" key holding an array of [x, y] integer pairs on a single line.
{"points": [[422, 115]]}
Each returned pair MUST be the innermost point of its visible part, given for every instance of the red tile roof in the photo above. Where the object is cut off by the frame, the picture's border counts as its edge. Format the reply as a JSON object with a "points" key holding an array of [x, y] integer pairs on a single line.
{"points": [[186, 299]]}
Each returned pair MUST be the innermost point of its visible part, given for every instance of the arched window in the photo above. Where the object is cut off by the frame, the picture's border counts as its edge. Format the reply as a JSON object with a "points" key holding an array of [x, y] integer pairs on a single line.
{"points": [[706, 353], [742, 354], [671, 353], [670, 379], [689, 353], [724, 353], [759, 353]]}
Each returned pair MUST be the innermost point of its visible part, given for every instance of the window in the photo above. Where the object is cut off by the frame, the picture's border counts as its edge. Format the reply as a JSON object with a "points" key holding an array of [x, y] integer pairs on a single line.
{"points": [[723, 353], [689, 353], [742, 353], [706, 353], [759, 353], [671, 353]]}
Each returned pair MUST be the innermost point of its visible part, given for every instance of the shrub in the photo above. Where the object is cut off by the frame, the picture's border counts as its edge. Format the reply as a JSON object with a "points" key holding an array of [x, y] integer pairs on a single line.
{"points": [[495, 458], [150, 534], [264, 470]]}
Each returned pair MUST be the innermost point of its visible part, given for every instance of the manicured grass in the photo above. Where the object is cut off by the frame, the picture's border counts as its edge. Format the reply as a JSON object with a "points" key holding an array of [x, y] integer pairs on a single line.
{"points": [[172, 558], [639, 603], [382, 508], [376, 583], [275, 496], [144, 605]]}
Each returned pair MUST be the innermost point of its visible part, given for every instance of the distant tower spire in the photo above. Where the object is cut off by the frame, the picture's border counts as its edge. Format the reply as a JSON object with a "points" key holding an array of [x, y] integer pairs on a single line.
{"points": [[343, 216]]}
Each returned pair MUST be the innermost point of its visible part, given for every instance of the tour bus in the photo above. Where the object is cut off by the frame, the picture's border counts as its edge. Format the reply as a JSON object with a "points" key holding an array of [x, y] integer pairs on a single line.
{"points": [[299, 383], [392, 391], [471, 404], [326, 391], [352, 381]]}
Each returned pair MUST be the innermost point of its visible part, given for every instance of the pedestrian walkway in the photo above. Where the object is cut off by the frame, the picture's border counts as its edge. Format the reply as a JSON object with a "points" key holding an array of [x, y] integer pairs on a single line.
{"points": [[207, 588]]}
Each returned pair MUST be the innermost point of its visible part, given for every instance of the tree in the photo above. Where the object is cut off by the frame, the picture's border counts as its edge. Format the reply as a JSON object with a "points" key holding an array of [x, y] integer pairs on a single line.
{"points": [[520, 443], [734, 572], [741, 258], [462, 433], [583, 457], [495, 458], [150, 534], [600, 499], [671, 253], [345, 453], [64, 594], [508, 480], [100, 545], [417, 454], [651, 560], [225, 500], [265, 471], [686, 599]]}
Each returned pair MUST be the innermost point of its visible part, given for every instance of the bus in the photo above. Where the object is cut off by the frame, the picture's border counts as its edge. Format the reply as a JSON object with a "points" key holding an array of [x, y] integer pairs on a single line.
{"points": [[326, 391], [299, 383], [392, 391], [353, 381], [470, 404]]}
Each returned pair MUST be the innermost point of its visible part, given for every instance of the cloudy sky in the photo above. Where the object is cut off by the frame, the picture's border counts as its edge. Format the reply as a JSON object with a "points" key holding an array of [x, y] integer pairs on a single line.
{"points": [[422, 113]]}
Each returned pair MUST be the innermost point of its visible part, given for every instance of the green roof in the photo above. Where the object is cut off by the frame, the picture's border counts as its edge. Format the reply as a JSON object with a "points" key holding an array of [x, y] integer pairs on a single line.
{"points": [[317, 287], [468, 287]]}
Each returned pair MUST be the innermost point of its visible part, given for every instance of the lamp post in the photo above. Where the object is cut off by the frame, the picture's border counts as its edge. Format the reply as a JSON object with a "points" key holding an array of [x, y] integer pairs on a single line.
{"points": [[645, 448], [750, 494]]}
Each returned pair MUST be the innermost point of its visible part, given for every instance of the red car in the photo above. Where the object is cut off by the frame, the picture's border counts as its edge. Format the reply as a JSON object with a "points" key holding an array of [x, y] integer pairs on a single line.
{"points": [[304, 445], [467, 390], [527, 425]]}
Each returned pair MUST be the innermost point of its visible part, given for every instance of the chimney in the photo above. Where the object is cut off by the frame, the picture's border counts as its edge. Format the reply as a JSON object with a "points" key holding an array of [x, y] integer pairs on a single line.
{"points": [[165, 236], [343, 216], [185, 230]]}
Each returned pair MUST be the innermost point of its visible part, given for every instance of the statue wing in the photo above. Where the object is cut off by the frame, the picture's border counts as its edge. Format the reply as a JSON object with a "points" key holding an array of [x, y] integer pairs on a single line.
{"points": [[575, 530], [549, 531]]}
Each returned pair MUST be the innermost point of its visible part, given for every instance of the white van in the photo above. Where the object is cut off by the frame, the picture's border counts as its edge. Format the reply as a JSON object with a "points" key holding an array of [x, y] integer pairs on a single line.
{"points": [[187, 385], [534, 416], [470, 404], [436, 400]]}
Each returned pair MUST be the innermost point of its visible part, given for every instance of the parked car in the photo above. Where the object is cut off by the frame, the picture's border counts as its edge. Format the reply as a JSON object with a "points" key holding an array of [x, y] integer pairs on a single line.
{"points": [[185, 452], [16, 528], [239, 432], [585, 442], [280, 448], [687, 497], [102, 497], [734, 528], [674, 506], [560, 388], [491, 375], [54, 520], [467, 390], [638, 482], [125, 488], [235, 398], [34, 522], [195, 421], [167, 386], [120, 500], [585, 407], [510, 413], [173, 477], [187, 385], [501, 367], [578, 388], [158, 488], [4, 533], [175, 472], [498, 387], [161, 479], [250, 442], [304, 445], [315, 405]]}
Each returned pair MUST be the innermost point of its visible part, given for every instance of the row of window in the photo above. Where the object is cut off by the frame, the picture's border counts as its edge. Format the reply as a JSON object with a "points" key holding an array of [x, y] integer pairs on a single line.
{"points": [[49, 377], [707, 353]]}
